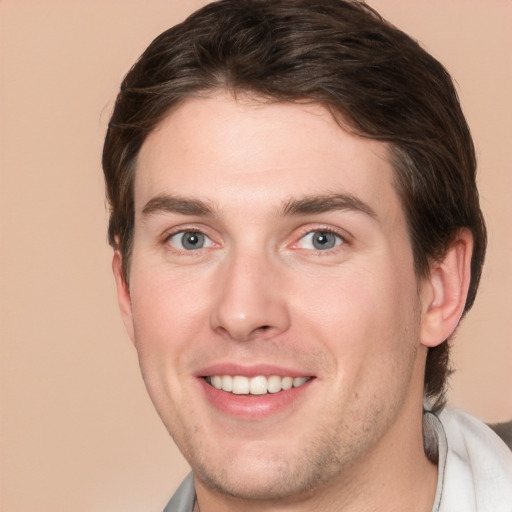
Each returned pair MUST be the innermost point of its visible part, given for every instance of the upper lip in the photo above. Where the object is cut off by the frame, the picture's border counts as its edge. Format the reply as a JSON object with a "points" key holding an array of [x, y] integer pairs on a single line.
{"points": [[266, 370]]}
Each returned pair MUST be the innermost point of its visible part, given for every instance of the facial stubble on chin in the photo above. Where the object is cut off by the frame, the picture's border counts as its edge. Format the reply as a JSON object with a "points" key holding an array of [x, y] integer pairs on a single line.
{"points": [[325, 461]]}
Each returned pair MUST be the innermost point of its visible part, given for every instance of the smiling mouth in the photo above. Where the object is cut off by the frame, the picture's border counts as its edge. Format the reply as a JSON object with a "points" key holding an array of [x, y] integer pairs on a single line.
{"points": [[259, 385]]}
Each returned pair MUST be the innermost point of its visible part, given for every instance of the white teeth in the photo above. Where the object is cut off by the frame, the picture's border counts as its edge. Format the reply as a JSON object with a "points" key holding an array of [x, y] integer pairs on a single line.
{"points": [[260, 385], [274, 384], [287, 383], [298, 381], [227, 383], [217, 382], [240, 385]]}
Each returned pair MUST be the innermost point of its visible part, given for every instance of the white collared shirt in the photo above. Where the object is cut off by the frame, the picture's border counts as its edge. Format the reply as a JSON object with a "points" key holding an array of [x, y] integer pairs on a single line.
{"points": [[475, 466]]}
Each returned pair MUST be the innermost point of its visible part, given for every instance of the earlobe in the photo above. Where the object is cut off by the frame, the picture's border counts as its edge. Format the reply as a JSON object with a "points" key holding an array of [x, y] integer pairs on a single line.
{"points": [[445, 290], [123, 293]]}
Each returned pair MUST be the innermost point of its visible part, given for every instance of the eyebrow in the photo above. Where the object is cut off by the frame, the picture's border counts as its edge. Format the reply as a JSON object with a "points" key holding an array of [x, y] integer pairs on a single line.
{"points": [[308, 205], [311, 205], [176, 204]]}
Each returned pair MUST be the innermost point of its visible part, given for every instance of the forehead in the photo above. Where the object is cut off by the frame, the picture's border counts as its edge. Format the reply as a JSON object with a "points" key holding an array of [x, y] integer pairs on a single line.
{"points": [[243, 151]]}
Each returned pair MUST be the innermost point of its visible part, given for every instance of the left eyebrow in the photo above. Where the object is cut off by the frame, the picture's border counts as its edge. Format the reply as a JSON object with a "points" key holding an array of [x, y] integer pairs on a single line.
{"points": [[311, 205]]}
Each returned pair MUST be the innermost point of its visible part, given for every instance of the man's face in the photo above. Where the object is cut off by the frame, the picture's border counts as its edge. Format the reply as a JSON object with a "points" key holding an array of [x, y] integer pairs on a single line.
{"points": [[270, 245]]}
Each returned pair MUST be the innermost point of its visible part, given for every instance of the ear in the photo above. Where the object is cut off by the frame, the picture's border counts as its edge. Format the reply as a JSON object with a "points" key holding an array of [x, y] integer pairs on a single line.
{"points": [[444, 291], [123, 294]]}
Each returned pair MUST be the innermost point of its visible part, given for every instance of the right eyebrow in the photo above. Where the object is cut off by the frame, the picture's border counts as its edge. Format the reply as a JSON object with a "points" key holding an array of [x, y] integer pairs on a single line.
{"points": [[165, 203]]}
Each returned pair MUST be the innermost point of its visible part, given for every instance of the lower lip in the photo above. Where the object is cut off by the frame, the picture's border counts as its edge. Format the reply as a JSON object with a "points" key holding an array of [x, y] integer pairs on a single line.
{"points": [[253, 407]]}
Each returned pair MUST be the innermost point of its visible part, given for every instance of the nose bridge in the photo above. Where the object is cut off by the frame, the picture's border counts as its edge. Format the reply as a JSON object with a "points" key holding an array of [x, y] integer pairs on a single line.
{"points": [[249, 302]]}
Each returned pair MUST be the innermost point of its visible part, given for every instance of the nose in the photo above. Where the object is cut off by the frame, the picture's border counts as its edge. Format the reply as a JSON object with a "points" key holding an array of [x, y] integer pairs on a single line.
{"points": [[251, 301]]}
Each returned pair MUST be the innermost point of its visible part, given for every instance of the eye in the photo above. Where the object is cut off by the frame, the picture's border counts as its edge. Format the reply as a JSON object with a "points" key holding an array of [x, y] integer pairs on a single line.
{"points": [[320, 240], [189, 240]]}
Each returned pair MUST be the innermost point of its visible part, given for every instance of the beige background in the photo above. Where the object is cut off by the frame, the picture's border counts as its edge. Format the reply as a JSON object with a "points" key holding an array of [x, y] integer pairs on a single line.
{"points": [[77, 430]]}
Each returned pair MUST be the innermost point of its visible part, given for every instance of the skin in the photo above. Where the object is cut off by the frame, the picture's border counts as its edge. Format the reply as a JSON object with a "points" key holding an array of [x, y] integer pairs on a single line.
{"points": [[355, 317]]}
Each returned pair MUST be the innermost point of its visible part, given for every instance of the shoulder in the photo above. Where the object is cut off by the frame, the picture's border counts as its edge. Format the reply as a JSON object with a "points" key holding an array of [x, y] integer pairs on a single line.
{"points": [[476, 465], [504, 430], [472, 439]]}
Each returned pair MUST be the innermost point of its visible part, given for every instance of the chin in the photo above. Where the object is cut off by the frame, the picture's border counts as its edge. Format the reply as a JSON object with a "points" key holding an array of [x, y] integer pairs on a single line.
{"points": [[255, 475], [254, 482]]}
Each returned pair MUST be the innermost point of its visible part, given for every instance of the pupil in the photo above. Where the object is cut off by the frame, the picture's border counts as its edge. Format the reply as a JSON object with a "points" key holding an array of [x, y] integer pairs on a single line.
{"points": [[323, 240], [193, 240]]}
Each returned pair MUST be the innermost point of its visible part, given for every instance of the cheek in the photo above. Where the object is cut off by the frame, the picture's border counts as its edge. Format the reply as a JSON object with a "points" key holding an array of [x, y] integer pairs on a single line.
{"points": [[361, 314], [343, 301], [168, 310], [168, 317]]}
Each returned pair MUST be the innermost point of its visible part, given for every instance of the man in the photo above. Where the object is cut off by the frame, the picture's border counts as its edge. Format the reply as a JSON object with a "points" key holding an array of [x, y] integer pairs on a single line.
{"points": [[297, 234]]}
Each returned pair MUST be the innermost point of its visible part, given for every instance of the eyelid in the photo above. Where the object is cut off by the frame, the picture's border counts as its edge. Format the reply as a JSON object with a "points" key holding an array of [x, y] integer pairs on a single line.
{"points": [[180, 230], [343, 235]]}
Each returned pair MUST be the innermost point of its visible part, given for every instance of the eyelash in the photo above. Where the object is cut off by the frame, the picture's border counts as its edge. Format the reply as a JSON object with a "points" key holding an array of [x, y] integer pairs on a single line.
{"points": [[182, 230], [345, 240], [324, 229]]}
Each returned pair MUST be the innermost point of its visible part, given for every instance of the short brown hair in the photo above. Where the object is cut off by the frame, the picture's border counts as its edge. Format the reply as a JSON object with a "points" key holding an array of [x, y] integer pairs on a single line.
{"points": [[343, 55]]}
